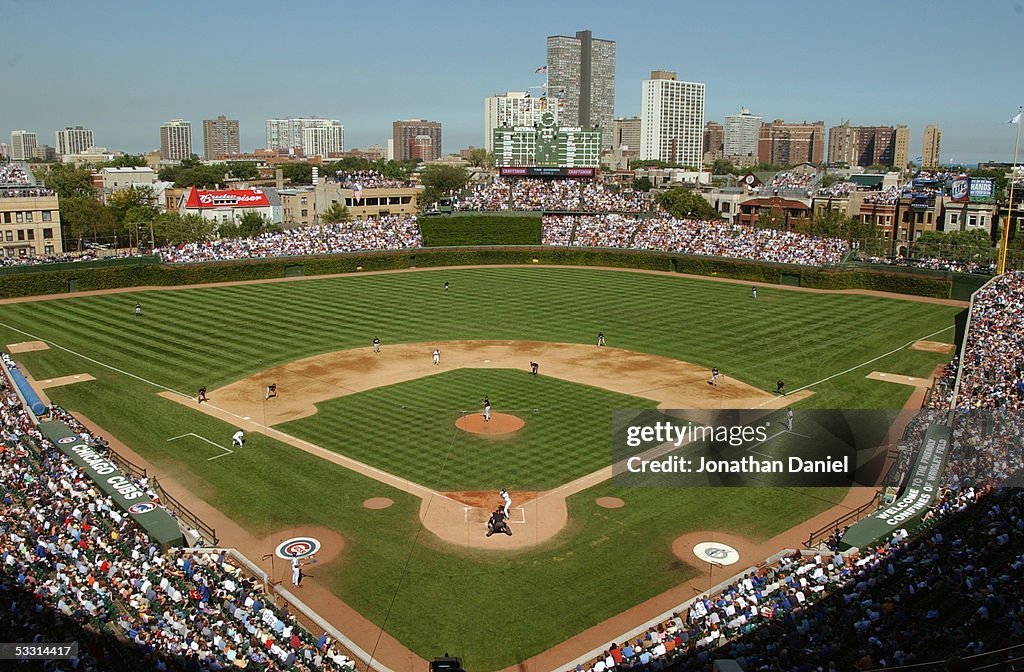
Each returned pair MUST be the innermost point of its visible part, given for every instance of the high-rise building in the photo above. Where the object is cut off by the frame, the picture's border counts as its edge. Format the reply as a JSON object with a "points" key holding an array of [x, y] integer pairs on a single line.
{"points": [[672, 120], [176, 140], [783, 144], [408, 144], [714, 140], [512, 109], [626, 133], [220, 137], [868, 145], [741, 132], [581, 71], [291, 134], [22, 144], [931, 151], [323, 139], [73, 141]]}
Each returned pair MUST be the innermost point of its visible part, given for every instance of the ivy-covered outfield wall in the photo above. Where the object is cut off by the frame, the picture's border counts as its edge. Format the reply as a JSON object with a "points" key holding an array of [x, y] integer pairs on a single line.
{"points": [[85, 279]]}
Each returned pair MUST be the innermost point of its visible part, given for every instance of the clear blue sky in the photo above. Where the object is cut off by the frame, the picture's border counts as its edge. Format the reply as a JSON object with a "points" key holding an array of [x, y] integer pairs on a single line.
{"points": [[122, 69]]}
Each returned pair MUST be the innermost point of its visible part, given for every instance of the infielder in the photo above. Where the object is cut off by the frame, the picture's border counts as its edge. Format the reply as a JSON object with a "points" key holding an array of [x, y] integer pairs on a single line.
{"points": [[271, 391], [487, 410], [201, 396], [714, 376], [376, 344], [507, 498], [437, 357], [600, 338], [238, 439]]}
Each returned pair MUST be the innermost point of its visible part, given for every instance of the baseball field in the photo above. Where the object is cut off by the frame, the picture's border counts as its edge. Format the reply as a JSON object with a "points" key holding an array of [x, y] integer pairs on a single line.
{"points": [[384, 454]]}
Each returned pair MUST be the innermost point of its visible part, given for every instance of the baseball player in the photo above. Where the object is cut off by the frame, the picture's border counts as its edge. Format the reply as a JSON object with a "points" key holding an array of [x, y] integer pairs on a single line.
{"points": [[714, 376], [600, 338], [446, 285], [534, 366], [201, 396], [296, 569], [496, 523], [138, 309], [487, 409], [753, 292], [507, 498], [437, 357], [238, 439], [271, 391], [376, 344], [780, 387], [789, 419]]}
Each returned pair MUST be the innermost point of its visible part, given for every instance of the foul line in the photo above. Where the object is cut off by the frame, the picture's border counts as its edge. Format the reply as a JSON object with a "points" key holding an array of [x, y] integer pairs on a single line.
{"points": [[863, 364], [95, 361], [203, 438]]}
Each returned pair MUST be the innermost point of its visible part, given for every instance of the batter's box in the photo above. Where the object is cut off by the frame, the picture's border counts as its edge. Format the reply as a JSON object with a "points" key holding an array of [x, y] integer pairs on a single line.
{"points": [[474, 514]]}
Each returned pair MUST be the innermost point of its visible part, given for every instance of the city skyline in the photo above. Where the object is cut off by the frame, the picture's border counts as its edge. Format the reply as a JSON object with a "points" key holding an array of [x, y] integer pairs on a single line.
{"points": [[874, 75]]}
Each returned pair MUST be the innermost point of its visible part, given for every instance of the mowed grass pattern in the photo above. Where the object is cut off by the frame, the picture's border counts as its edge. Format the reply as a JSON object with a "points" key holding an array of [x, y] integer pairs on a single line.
{"points": [[214, 335], [567, 432]]}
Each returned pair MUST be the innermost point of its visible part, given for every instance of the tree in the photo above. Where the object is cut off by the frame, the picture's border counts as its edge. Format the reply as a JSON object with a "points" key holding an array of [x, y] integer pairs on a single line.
{"points": [[961, 246], [723, 167], [682, 203], [773, 218], [127, 161], [191, 173], [479, 157], [828, 179], [68, 180], [336, 213], [170, 228], [642, 184], [252, 224], [243, 170], [298, 173], [441, 181], [83, 217]]}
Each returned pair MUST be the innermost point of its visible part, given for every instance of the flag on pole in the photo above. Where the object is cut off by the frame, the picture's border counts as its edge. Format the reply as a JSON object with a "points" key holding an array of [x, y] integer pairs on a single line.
{"points": [[540, 70], [1014, 119]]}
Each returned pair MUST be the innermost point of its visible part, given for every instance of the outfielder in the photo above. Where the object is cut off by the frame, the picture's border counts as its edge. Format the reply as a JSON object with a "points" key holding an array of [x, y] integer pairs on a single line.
{"points": [[138, 309]]}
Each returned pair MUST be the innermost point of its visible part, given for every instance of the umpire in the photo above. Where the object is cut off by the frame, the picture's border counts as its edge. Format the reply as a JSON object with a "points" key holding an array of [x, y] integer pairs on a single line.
{"points": [[496, 523]]}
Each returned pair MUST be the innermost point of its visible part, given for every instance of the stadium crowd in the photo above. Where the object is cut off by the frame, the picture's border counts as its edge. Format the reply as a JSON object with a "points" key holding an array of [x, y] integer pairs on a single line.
{"points": [[887, 196], [690, 236], [837, 189], [791, 181], [17, 182], [552, 195], [368, 179], [71, 561], [384, 233], [952, 588]]}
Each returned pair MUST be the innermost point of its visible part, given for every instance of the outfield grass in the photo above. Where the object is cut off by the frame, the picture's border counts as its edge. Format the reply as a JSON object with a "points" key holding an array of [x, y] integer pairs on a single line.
{"points": [[414, 434], [442, 598]]}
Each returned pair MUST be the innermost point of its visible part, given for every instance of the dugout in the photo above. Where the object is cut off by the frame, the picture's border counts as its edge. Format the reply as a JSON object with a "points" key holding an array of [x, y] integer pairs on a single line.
{"points": [[150, 516]]}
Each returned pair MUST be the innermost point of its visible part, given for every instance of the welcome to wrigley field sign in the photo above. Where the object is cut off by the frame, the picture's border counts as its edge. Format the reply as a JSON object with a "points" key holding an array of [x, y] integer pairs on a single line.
{"points": [[153, 518], [921, 491]]}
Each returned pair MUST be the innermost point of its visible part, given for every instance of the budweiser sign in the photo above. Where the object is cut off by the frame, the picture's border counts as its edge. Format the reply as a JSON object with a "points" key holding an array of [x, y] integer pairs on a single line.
{"points": [[232, 198]]}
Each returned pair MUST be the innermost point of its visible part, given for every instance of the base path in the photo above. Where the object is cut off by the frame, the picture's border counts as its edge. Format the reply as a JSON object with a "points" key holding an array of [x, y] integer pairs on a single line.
{"points": [[302, 384]]}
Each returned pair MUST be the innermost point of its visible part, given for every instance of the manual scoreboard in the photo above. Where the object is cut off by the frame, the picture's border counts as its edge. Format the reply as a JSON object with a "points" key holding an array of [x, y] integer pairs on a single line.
{"points": [[547, 146]]}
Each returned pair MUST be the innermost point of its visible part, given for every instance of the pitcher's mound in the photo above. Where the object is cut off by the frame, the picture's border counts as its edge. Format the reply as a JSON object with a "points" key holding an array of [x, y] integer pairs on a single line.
{"points": [[500, 423]]}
